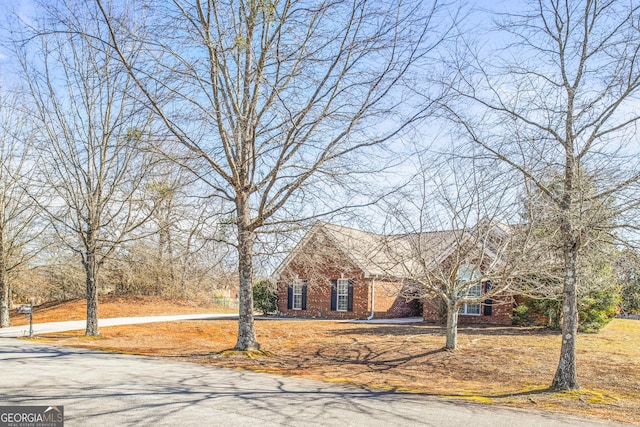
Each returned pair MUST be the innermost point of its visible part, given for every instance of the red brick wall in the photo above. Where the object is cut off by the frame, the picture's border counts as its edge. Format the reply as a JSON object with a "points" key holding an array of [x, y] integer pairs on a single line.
{"points": [[433, 311], [318, 262], [500, 314], [389, 304], [319, 300]]}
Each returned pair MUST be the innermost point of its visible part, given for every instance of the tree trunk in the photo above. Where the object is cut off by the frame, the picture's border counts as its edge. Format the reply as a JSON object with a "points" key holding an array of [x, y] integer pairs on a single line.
{"points": [[92, 295], [452, 327], [246, 331], [566, 376], [5, 321]]}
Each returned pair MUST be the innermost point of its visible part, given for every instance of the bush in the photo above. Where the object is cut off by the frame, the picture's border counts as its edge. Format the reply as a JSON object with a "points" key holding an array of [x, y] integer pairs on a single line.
{"points": [[534, 312], [265, 296], [595, 310], [521, 315]]}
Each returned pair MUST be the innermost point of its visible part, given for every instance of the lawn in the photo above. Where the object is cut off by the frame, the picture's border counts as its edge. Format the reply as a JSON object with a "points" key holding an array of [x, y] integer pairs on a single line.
{"points": [[494, 365], [116, 306]]}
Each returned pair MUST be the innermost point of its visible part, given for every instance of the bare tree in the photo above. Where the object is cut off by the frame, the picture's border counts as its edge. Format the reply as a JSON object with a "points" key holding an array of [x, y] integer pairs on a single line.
{"points": [[274, 97], [18, 212], [455, 237], [183, 244], [168, 217], [92, 130], [186, 225], [563, 98]]}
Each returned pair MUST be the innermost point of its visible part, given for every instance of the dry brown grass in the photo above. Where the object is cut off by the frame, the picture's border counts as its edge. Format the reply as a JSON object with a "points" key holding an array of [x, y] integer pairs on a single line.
{"points": [[494, 365], [116, 306]]}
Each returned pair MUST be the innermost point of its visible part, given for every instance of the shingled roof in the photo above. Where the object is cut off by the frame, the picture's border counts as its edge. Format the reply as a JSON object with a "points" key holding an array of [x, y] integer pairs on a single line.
{"points": [[391, 255], [397, 255]]}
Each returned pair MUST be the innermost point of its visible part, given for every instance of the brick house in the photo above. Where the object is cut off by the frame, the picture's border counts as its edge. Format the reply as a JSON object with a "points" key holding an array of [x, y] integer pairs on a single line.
{"points": [[339, 272]]}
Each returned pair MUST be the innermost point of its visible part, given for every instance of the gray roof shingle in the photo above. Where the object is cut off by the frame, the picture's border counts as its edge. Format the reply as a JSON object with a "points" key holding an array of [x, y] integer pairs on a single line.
{"points": [[397, 255]]}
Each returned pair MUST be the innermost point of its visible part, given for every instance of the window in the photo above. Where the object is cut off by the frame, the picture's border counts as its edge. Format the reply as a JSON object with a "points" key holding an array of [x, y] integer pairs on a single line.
{"points": [[467, 273], [473, 291], [342, 295], [297, 294]]}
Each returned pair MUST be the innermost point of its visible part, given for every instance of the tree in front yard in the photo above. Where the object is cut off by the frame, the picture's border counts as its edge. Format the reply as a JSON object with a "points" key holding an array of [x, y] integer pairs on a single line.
{"points": [[560, 96], [449, 234], [90, 135], [629, 268]]}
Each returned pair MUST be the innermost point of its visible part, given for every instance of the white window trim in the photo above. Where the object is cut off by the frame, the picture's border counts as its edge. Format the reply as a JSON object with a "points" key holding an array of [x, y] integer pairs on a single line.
{"points": [[345, 294], [465, 308], [466, 273], [298, 284]]}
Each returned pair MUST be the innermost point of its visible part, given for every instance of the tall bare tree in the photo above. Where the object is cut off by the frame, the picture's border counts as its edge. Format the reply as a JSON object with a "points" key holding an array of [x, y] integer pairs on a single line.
{"points": [[563, 98], [18, 212], [274, 96], [92, 130]]}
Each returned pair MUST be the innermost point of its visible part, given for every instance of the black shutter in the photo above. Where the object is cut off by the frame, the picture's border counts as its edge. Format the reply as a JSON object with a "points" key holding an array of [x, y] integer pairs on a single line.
{"points": [[334, 294], [488, 303], [304, 295], [350, 301], [290, 297]]}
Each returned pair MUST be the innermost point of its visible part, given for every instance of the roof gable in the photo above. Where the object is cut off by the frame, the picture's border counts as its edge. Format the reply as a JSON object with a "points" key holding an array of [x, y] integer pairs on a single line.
{"points": [[319, 232]]}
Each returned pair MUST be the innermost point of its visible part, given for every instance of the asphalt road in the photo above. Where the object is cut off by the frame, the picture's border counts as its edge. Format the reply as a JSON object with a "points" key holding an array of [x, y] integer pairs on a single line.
{"points": [[105, 389]]}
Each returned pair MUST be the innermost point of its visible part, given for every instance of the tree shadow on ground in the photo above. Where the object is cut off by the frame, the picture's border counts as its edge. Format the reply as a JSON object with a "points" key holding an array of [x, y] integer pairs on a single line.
{"points": [[440, 330], [372, 358]]}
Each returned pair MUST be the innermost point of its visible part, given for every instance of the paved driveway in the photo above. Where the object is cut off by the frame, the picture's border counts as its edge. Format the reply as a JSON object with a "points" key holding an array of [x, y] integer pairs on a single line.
{"points": [[108, 389], [44, 328]]}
